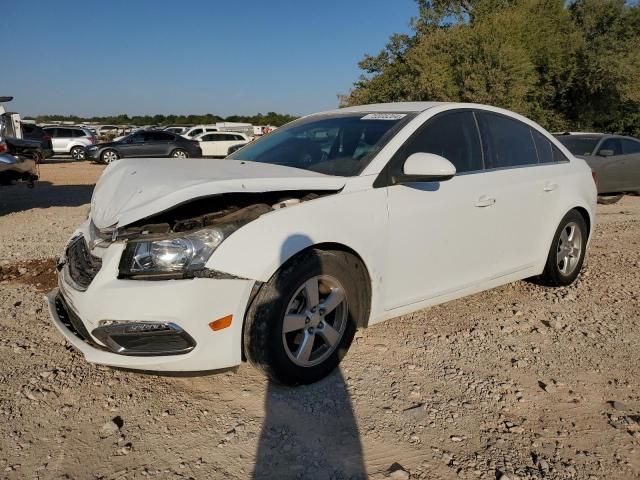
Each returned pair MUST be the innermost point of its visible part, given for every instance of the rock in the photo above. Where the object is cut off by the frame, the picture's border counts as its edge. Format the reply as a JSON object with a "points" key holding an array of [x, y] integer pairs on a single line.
{"points": [[617, 405], [455, 438], [397, 472], [112, 427]]}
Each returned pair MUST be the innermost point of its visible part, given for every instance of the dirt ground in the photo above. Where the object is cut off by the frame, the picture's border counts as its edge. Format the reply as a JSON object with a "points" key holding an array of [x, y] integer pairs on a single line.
{"points": [[517, 382]]}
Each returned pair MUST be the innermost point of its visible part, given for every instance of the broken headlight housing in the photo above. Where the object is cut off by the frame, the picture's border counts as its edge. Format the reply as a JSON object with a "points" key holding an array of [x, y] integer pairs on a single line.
{"points": [[173, 257]]}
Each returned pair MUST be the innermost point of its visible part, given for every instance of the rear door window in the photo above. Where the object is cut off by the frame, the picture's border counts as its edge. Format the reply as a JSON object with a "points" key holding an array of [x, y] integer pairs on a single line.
{"points": [[452, 135], [630, 146], [507, 142]]}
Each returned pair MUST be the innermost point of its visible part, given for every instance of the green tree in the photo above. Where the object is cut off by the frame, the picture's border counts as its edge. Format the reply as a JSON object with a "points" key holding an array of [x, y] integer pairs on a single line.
{"points": [[564, 65]]}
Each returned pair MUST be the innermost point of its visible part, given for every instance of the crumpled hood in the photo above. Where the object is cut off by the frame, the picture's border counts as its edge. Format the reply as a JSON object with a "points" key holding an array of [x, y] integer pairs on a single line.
{"points": [[133, 189]]}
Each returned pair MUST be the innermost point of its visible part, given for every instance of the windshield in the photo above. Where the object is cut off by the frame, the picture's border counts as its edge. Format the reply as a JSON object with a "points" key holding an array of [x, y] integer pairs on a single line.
{"points": [[338, 144], [579, 145]]}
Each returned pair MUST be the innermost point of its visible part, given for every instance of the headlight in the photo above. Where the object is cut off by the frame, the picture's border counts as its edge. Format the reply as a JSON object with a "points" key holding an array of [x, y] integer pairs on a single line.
{"points": [[174, 257]]}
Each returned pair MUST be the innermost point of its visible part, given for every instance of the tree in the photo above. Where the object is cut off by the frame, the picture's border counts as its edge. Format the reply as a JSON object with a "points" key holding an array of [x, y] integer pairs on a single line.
{"points": [[564, 65]]}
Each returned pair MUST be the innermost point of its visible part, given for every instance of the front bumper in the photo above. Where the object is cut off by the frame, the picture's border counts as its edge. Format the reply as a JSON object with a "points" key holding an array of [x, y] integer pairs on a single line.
{"points": [[189, 304], [92, 154]]}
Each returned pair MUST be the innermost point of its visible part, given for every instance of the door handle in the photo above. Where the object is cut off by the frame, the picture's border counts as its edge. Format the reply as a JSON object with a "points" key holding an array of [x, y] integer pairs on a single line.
{"points": [[485, 201], [550, 187]]}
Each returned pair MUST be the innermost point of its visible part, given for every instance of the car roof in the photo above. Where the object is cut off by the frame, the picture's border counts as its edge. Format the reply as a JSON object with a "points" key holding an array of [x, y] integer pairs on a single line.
{"points": [[405, 107]]}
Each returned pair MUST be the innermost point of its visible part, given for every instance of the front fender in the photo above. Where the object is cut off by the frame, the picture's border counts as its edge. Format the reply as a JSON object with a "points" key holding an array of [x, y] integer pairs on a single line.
{"points": [[356, 220]]}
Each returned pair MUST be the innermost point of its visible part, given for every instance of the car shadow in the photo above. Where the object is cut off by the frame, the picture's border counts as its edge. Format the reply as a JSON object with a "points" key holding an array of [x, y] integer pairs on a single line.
{"points": [[18, 198], [309, 431]]}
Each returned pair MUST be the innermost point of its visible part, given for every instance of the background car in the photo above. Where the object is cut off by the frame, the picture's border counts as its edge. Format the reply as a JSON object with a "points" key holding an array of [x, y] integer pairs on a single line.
{"points": [[199, 129], [71, 140], [218, 144], [145, 143], [615, 159], [31, 131]]}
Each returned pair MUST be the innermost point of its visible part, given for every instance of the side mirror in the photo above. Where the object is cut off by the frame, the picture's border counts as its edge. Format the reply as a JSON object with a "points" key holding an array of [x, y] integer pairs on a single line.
{"points": [[606, 153], [426, 167]]}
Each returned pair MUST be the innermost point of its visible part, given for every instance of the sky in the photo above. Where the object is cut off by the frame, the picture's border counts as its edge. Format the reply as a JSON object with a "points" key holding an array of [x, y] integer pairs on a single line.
{"points": [[111, 57]]}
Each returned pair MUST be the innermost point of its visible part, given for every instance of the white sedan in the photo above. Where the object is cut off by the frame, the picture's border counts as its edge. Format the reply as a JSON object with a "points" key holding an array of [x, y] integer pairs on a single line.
{"points": [[334, 222], [217, 144]]}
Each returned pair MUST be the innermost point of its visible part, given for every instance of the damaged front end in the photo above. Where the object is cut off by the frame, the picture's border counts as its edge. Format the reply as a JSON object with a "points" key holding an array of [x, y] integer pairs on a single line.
{"points": [[177, 243]]}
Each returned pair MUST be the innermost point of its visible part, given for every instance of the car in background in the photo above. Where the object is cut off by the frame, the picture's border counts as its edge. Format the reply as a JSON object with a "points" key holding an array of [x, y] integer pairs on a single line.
{"points": [[31, 131], [70, 140], [177, 129], [145, 143], [615, 160], [198, 129], [218, 144], [334, 222]]}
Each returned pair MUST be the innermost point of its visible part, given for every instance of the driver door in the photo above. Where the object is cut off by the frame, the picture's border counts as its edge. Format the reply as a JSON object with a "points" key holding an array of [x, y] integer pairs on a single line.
{"points": [[443, 236]]}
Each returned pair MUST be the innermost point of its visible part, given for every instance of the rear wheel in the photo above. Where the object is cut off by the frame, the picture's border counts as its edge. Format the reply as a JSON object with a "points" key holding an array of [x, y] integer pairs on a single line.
{"points": [[567, 251], [302, 322], [77, 153], [179, 153], [609, 199], [109, 156]]}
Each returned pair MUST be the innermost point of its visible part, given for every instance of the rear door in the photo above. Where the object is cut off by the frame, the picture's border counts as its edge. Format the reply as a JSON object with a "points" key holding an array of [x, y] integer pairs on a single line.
{"points": [[630, 168], [610, 168], [161, 144], [64, 136], [527, 191], [55, 141]]}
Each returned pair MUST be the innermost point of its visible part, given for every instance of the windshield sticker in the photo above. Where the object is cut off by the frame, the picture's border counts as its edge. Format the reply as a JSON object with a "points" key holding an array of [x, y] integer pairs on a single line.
{"points": [[384, 116]]}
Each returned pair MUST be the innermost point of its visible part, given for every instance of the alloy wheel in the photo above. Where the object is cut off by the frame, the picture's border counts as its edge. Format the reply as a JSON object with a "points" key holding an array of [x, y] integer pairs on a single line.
{"points": [[315, 321], [180, 154], [77, 153], [569, 248], [110, 156]]}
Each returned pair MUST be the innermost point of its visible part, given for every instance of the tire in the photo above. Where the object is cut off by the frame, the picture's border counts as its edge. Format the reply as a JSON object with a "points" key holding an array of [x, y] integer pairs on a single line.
{"points": [[109, 156], [77, 153], [563, 265], [179, 153], [609, 199], [277, 350]]}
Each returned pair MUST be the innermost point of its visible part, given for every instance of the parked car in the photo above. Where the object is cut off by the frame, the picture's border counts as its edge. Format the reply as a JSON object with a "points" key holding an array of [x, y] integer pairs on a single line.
{"points": [[199, 129], [615, 159], [218, 144], [177, 129], [281, 251], [31, 131], [16, 154], [145, 143], [70, 140]]}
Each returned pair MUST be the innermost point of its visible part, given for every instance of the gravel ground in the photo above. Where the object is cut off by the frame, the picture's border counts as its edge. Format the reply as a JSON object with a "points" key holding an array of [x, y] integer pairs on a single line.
{"points": [[517, 382]]}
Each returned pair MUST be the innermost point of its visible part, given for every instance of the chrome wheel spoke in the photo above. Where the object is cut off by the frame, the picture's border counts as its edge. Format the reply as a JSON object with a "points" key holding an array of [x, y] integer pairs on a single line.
{"points": [[335, 298], [329, 334], [304, 351], [293, 322], [312, 292]]}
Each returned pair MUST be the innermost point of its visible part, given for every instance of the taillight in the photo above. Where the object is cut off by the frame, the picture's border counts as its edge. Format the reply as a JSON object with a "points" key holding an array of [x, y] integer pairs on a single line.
{"points": [[594, 176], [3, 147]]}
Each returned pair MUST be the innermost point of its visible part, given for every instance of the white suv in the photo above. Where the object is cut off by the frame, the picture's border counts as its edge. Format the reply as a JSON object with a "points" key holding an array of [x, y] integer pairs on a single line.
{"points": [[199, 129], [333, 222], [217, 144], [70, 140]]}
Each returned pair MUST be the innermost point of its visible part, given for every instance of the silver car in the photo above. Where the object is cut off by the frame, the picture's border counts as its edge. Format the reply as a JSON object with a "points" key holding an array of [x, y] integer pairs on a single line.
{"points": [[70, 140], [615, 159]]}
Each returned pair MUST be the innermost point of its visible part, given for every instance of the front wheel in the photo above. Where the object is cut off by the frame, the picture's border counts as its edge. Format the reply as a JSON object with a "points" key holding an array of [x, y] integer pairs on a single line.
{"points": [[302, 321], [109, 156], [179, 153], [567, 251], [77, 153]]}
